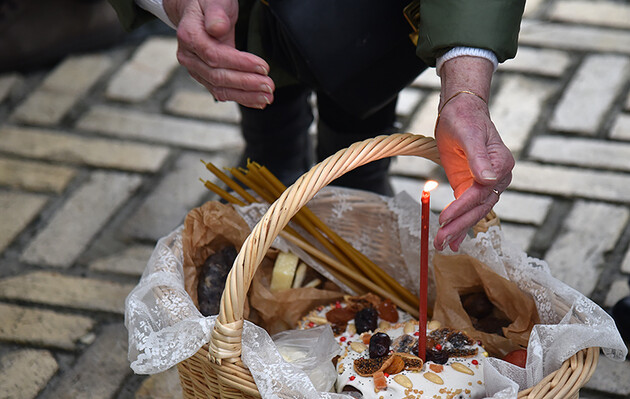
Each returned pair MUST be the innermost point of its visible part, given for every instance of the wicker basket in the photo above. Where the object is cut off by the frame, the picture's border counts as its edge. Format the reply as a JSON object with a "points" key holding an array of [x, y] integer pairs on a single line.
{"points": [[216, 370]]}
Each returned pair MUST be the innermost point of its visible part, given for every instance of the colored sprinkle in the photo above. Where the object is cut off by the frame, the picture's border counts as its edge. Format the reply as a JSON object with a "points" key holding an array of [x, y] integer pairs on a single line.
{"points": [[485, 354], [342, 339], [475, 362], [338, 305], [311, 324], [352, 378], [386, 375], [479, 343], [417, 333], [438, 347]]}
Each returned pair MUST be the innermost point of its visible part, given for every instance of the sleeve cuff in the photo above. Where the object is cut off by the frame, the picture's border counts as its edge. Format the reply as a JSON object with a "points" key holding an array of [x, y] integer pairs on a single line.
{"points": [[156, 8], [469, 51]]}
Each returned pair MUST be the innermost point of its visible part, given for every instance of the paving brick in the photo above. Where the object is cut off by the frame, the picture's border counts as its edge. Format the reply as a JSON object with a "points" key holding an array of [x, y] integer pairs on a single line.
{"points": [[132, 261], [24, 373], [587, 233], [164, 385], [37, 327], [627, 106], [181, 132], [604, 13], [573, 37], [523, 208], [35, 176], [82, 216], [62, 89], [539, 61], [428, 80], [413, 167], [7, 83], [198, 104], [101, 153], [173, 197], [570, 182], [621, 128], [148, 69], [52, 288], [440, 197], [408, 100], [581, 152], [611, 377], [618, 289], [518, 234], [423, 121], [590, 94], [532, 8], [100, 370], [17, 210], [516, 123], [625, 264]]}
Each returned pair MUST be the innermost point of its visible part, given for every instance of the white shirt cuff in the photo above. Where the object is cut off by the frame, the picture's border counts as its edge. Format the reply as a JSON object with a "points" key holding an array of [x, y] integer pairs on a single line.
{"points": [[469, 51], [156, 8]]}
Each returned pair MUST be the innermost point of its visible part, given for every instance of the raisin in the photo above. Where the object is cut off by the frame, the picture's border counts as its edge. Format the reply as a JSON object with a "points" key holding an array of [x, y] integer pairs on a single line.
{"points": [[366, 320], [379, 345], [436, 356]]}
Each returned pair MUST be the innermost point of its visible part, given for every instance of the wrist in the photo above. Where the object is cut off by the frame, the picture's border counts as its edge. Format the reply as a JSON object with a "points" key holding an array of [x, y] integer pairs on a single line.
{"points": [[466, 74], [466, 51]]}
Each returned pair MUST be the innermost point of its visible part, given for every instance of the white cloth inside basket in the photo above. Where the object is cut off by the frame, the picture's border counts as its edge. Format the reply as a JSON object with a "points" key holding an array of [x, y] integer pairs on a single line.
{"points": [[165, 327]]}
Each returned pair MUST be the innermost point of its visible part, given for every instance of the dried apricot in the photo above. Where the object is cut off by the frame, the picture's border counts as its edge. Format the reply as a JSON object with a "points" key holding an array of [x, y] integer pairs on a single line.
{"points": [[387, 311]]}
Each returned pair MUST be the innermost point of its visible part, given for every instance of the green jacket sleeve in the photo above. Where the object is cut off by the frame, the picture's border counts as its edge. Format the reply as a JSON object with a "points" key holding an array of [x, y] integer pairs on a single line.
{"points": [[487, 24], [130, 15]]}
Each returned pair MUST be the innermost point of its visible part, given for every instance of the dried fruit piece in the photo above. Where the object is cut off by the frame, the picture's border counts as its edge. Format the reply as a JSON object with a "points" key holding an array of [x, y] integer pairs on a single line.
{"points": [[462, 368], [404, 343], [387, 311], [366, 367], [436, 356], [411, 362], [339, 315], [438, 368], [404, 381], [365, 337], [434, 378], [380, 382], [379, 345], [358, 347], [366, 320], [398, 365]]}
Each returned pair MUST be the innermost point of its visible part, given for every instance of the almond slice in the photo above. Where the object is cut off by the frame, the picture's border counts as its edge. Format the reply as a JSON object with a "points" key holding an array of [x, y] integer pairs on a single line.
{"points": [[434, 378], [404, 381], [462, 368], [358, 347]]}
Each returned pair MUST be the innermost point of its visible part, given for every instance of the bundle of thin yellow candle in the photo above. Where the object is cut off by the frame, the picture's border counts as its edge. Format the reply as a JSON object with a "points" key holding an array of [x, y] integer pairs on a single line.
{"points": [[347, 264]]}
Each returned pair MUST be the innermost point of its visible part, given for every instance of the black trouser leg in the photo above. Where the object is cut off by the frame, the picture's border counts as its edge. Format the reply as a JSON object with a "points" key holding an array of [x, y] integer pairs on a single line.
{"points": [[277, 137], [337, 129]]}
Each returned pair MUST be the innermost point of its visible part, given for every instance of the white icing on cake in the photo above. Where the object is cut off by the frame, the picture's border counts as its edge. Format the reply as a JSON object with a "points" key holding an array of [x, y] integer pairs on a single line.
{"points": [[456, 384]]}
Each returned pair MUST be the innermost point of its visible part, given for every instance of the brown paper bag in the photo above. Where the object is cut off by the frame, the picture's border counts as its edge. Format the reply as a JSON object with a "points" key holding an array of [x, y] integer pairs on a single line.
{"points": [[213, 226], [461, 274]]}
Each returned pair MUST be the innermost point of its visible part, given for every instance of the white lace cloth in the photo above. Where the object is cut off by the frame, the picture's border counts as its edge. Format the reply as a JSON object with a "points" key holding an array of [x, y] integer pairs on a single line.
{"points": [[165, 327]]}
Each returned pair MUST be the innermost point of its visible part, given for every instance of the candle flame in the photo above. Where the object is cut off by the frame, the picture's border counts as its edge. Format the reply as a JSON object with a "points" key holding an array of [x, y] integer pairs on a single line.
{"points": [[430, 185]]}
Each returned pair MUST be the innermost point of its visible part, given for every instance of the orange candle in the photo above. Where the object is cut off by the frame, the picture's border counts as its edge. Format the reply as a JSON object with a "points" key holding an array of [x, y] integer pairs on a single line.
{"points": [[424, 268]]}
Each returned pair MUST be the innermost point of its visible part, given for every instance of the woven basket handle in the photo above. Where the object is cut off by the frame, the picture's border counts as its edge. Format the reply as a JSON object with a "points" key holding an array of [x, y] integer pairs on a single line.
{"points": [[225, 342]]}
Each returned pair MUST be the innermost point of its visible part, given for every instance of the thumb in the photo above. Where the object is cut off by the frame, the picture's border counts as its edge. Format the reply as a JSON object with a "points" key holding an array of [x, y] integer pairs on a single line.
{"points": [[217, 22], [480, 164]]}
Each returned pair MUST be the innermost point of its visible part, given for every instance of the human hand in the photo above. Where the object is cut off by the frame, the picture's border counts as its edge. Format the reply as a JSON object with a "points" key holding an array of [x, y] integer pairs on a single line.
{"points": [[474, 157], [205, 36]]}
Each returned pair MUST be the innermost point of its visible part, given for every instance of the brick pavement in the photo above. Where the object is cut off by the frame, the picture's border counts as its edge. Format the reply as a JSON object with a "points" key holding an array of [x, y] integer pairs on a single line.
{"points": [[99, 158]]}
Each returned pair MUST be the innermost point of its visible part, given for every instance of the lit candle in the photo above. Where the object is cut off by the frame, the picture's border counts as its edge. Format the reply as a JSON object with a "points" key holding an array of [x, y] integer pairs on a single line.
{"points": [[424, 268]]}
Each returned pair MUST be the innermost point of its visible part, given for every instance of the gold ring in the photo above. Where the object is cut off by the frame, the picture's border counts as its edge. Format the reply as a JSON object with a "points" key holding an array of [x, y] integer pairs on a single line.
{"points": [[494, 190]]}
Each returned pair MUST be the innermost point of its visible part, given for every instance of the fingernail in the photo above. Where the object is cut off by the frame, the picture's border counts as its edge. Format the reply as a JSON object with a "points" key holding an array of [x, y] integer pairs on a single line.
{"points": [[266, 88], [262, 70], [444, 223], [488, 175]]}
